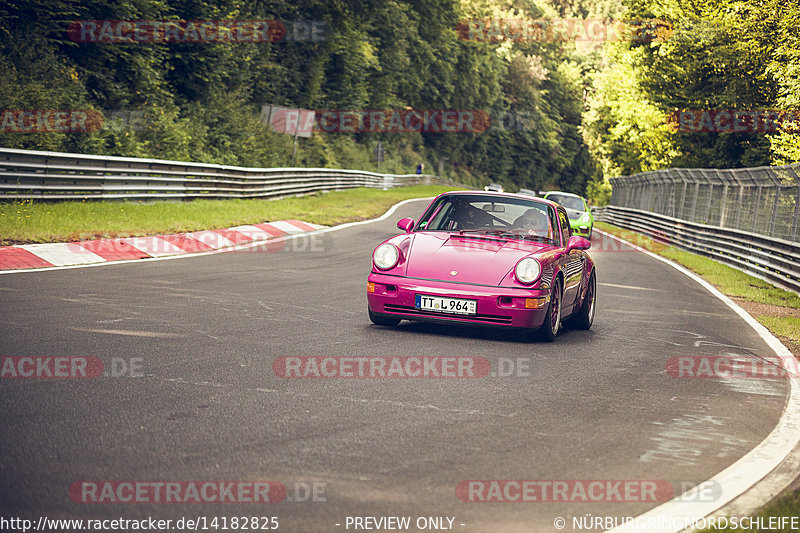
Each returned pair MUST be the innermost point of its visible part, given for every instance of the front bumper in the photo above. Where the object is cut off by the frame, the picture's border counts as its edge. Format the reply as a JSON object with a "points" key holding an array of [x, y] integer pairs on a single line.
{"points": [[580, 228], [496, 306]]}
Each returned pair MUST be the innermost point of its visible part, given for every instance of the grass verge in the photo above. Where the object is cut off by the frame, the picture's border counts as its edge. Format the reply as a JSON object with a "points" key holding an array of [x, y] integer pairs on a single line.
{"points": [[777, 309], [33, 222]]}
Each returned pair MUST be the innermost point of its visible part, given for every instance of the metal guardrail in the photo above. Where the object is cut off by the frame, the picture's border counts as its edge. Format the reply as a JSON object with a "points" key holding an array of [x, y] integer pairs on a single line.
{"points": [[27, 174], [769, 258], [762, 200]]}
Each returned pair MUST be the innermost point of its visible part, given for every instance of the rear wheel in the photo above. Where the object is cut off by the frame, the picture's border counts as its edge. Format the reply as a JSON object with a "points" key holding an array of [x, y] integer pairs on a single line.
{"points": [[585, 317], [552, 320], [383, 320]]}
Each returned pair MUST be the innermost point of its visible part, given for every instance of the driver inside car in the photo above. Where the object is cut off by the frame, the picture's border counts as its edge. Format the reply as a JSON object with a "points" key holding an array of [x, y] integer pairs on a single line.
{"points": [[535, 222], [466, 217]]}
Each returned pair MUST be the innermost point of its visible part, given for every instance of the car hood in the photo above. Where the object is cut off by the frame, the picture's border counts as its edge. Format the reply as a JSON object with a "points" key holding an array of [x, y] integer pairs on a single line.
{"points": [[473, 258]]}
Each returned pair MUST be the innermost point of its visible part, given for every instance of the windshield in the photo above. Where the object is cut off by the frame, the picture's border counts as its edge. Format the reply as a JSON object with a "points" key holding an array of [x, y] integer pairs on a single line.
{"points": [[490, 215], [570, 202]]}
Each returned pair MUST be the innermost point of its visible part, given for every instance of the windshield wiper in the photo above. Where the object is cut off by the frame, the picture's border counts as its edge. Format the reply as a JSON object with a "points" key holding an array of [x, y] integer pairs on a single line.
{"points": [[479, 233], [479, 230], [525, 236]]}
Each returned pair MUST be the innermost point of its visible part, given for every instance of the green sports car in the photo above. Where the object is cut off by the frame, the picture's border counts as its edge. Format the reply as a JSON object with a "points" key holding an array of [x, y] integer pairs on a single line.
{"points": [[580, 217]]}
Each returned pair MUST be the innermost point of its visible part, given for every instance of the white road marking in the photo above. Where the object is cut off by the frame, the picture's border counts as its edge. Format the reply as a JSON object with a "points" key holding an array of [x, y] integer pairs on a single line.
{"points": [[257, 234], [630, 287], [61, 253], [288, 227], [155, 334]]}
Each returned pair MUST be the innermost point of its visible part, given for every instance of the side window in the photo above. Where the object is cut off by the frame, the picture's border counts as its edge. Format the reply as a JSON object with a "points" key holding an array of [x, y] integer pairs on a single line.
{"points": [[566, 231], [554, 223]]}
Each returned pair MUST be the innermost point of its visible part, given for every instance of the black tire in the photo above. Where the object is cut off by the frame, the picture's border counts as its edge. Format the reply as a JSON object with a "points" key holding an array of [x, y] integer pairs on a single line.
{"points": [[383, 320], [585, 317], [552, 320]]}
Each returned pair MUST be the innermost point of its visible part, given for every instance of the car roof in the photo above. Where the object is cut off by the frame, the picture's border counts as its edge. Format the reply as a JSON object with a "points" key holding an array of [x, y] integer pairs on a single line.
{"points": [[502, 195], [564, 194]]}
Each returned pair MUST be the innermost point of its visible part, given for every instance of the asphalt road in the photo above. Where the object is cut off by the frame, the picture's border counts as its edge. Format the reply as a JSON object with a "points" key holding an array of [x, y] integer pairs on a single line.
{"points": [[205, 331]]}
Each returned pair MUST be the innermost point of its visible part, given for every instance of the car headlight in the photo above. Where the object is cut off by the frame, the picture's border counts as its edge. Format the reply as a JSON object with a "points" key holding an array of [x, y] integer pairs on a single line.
{"points": [[386, 256], [528, 270], [585, 217]]}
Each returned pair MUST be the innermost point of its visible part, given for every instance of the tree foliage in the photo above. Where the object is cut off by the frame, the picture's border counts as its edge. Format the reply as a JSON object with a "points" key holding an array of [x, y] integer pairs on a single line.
{"points": [[201, 100], [716, 55]]}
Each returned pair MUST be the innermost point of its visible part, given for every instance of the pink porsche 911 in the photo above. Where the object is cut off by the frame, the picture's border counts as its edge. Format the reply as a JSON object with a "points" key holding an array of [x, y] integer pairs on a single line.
{"points": [[485, 259]]}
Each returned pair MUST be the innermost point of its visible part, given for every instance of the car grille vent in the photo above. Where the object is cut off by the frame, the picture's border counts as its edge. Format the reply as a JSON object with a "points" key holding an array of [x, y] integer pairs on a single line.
{"points": [[406, 310]]}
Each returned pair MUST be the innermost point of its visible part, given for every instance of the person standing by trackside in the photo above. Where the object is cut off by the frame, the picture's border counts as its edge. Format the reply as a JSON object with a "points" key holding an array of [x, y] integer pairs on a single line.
{"points": [[420, 166]]}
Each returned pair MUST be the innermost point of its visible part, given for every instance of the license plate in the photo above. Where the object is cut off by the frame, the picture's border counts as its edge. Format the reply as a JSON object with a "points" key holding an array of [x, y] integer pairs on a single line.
{"points": [[445, 305]]}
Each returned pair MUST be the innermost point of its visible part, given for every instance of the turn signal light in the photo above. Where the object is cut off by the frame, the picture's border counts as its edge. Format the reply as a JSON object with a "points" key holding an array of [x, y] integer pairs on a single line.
{"points": [[535, 303]]}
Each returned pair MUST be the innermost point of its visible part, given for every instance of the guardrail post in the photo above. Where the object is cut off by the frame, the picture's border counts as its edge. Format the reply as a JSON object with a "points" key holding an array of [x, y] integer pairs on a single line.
{"points": [[663, 194], [669, 201], [724, 207], [773, 217], [757, 205], [694, 200], [683, 196], [669, 192], [796, 212], [737, 224], [710, 197]]}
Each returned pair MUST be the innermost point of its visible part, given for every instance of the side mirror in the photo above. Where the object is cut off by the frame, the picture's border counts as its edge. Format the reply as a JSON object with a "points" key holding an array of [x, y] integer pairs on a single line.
{"points": [[406, 224], [578, 243]]}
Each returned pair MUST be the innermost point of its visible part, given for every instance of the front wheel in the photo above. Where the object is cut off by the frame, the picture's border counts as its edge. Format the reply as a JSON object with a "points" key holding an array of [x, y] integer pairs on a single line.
{"points": [[552, 320], [383, 320]]}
